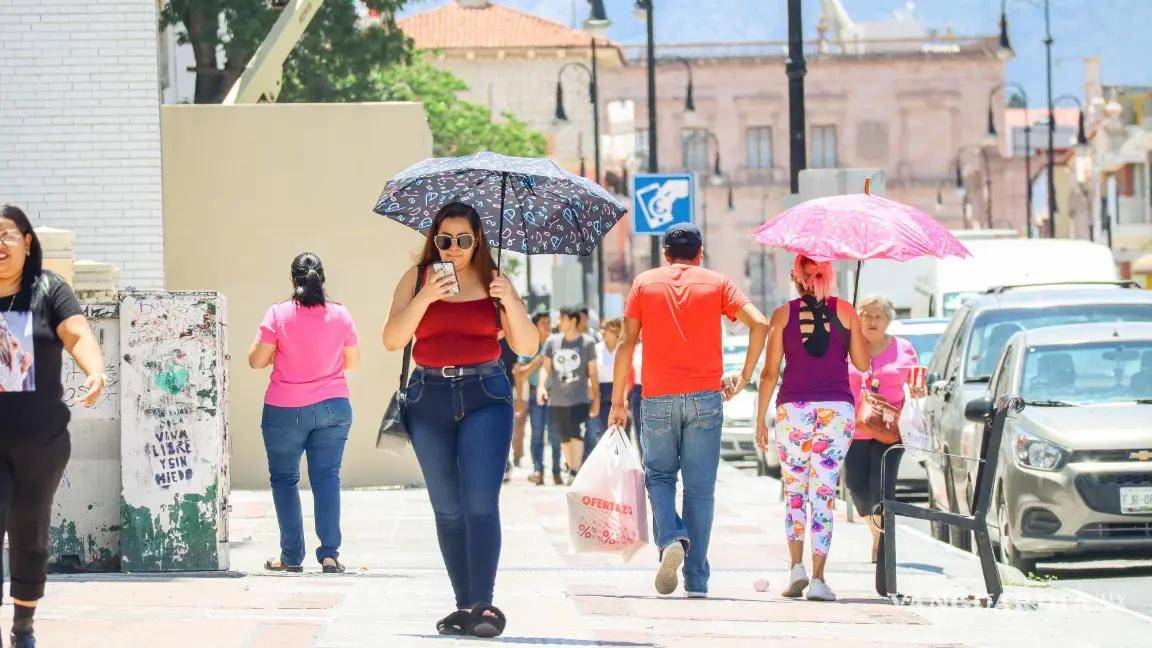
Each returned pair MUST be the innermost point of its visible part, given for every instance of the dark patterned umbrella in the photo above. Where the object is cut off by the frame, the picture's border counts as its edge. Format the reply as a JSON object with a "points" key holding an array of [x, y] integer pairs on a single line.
{"points": [[527, 205]]}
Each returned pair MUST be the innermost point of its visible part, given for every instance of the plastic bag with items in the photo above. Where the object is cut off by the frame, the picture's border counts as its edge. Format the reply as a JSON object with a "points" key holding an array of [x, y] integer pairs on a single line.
{"points": [[913, 431], [607, 507]]}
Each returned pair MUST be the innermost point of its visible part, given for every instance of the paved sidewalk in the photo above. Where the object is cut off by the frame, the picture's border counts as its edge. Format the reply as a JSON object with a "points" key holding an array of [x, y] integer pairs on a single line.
{"points": [[396, 589]]}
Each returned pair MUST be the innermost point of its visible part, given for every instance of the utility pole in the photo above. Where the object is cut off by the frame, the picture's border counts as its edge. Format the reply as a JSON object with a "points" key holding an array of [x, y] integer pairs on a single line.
{"points": [[796, 69]]}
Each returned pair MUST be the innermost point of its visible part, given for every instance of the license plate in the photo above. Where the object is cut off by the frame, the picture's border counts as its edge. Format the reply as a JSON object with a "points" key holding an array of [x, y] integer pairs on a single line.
{"points": [[1136, 500]]}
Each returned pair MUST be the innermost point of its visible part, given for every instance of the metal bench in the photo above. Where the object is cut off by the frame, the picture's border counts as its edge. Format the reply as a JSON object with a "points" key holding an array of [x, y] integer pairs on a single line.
{"points": [[994, 418]]}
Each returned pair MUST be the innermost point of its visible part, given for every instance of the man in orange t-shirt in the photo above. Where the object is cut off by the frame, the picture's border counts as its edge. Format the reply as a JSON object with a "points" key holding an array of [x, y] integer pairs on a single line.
{"points": [[678, 308]]}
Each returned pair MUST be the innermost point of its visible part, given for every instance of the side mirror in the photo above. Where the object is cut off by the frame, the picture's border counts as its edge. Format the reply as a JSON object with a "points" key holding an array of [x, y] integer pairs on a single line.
{"points": [[978, 410]]}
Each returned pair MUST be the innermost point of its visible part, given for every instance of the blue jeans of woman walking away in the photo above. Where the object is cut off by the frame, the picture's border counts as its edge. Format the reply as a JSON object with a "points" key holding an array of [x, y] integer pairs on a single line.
{"points": [[320, 431], [462, 431]]}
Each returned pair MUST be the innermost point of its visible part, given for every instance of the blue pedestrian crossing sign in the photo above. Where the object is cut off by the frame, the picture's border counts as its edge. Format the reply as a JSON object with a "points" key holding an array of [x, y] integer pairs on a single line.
{"points": [[661, 200]]}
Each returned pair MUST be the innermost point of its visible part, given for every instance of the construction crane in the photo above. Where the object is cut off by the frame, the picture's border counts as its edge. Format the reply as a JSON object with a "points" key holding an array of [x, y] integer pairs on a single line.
{"points": [[264, 73]]}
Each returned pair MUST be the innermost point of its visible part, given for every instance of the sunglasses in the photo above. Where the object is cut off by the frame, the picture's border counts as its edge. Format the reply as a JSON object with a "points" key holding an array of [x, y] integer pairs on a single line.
{"points": [[463, 241]]}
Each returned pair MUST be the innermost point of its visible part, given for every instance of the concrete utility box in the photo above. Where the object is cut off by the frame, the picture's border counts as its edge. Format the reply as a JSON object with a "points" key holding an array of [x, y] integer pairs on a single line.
{"points": [[174, 440], [85, 531]]}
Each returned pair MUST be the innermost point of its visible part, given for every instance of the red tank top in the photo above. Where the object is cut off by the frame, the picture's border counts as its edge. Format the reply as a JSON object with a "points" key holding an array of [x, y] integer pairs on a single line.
{"points": [[454, 334]]}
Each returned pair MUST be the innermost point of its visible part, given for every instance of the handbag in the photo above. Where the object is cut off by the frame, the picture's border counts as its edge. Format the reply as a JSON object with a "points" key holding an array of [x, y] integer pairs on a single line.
{"points": [[394, 425], [876, 415]]}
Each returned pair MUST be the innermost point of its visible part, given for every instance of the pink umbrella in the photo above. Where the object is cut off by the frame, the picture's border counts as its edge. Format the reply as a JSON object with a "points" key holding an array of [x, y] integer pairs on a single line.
{"points": [[859, 227]]}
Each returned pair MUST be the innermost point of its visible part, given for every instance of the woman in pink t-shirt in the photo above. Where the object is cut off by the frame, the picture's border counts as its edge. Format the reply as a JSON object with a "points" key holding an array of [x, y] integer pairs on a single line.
{"points": [[892, 360], [309, 342]]}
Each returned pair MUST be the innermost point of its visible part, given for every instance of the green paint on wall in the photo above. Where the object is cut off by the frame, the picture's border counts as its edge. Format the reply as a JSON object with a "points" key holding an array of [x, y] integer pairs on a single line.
{"points": [[179, 537], [71, 554]]}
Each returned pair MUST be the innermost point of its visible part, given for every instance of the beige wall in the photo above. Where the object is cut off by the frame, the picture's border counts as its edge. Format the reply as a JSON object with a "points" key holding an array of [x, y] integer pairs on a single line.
{"points": [[246, 188]]}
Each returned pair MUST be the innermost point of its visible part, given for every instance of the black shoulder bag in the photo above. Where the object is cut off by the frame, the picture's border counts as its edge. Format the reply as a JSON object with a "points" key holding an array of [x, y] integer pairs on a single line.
{"points": [[394, 424]]}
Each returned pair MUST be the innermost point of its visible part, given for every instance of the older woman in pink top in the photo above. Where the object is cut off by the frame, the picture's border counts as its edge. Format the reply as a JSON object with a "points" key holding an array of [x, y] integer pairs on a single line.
{"points": [[310, 342], [892, 360]]}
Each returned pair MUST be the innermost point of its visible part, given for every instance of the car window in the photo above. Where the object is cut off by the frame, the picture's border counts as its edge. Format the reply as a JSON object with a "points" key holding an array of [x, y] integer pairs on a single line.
{"points": [[925, 345], [1089, 373], [952, 357], [939, 363], [992, 329]]}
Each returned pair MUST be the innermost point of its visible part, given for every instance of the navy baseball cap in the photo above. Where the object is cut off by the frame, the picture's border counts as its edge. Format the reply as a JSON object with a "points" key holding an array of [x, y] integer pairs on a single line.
{"points": [[683, 235]]}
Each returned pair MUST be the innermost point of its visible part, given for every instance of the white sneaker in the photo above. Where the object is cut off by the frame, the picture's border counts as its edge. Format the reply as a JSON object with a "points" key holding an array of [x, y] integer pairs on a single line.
{"points": [[799, 582], [819, 591], [667, 579], [696, 595]]}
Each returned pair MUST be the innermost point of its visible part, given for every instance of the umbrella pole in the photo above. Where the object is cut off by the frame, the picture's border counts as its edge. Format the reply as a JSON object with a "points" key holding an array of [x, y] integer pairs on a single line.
{"points": [[856, 289], [500, 241]]}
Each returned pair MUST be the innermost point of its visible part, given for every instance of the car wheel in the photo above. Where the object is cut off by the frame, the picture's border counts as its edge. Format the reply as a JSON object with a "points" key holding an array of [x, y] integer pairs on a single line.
{"points": [[939, 529], [959, 538], [1006, 552]]}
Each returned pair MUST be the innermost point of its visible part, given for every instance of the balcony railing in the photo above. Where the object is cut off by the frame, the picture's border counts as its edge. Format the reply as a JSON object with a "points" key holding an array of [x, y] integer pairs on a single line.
{"points": [[937, 45]]}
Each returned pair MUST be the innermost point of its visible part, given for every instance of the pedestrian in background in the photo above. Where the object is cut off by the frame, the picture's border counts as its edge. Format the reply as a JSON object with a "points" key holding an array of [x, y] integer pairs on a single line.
{"points": [[310, 342], [610, 332], [459, 402], [510, 360], [570, 386], [815, 414], [892, 360], [43, 319], [677, 308], [529, 371]]}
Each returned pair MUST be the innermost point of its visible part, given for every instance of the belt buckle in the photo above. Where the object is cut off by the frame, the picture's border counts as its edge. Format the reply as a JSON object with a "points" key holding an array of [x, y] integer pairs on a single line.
{"points": [[452, 372]]}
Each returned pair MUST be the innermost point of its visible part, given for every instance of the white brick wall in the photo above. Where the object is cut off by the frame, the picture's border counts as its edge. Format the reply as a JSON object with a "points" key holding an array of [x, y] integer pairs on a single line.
{"points": [[80, 126]]}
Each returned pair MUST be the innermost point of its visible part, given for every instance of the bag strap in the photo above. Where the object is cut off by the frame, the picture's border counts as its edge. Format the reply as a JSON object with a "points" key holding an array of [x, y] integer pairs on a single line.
{"points": [[408, 349]]}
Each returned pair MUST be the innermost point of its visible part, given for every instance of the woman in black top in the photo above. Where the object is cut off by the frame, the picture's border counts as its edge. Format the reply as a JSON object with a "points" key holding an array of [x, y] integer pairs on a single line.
{"points": [[39, 318]]}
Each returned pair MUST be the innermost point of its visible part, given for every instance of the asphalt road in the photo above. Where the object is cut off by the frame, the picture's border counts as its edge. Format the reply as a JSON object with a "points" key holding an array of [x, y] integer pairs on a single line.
{"points": [[1125, 583]]}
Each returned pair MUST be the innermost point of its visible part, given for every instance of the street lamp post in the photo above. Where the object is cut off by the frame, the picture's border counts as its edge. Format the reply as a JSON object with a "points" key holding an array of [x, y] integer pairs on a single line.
{"points": [[987, 177], [1081, 136], [1027, 132], [1051, 124], [796, 69], [764, 257], [597, 20], [689, 94], [653, 160]]}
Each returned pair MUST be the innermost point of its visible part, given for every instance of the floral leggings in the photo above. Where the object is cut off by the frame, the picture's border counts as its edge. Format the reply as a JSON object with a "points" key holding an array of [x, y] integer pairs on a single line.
{"points": [[812, 439]]}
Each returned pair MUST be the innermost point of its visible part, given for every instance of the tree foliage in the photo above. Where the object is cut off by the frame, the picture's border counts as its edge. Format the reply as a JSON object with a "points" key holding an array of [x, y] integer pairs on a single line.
{"points": [[332, 62], [458, 126], [344, 57]]}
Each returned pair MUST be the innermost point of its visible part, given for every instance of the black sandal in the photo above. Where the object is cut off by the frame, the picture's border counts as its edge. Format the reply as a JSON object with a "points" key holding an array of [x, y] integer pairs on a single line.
{"points": [[488, 626], [459, 623], [278, 565]]}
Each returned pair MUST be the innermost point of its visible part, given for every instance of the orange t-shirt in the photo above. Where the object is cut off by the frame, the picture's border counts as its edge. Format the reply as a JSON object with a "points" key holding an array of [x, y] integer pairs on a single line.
{"points": [[679, 309]]}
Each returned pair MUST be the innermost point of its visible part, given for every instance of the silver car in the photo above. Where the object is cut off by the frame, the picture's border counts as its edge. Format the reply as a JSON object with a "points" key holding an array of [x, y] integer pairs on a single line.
{"points": [[967, 356], [1074, 477]]}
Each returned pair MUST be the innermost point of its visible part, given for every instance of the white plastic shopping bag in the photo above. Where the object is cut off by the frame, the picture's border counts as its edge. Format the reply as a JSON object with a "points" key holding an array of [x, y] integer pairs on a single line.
{"points": [[607, 507], [913, 431]]}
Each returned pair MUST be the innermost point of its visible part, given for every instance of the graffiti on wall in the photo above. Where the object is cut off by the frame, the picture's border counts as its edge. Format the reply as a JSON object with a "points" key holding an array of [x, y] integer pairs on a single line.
{"points": [[84, 535], [173, 431]]}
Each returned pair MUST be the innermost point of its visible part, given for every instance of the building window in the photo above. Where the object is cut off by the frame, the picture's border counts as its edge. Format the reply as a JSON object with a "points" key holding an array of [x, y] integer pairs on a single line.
{"points": [[822, 143], [642, 148], [695, 142], [760, 147]]}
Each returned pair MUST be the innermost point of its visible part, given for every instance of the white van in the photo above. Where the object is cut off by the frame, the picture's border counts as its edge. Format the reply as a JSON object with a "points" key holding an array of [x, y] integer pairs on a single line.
{"points": [[943, 285]]}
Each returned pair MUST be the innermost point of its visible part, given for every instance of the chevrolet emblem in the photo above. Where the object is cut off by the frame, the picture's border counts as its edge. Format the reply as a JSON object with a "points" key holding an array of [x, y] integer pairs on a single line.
{"points": [[1143, 455]]}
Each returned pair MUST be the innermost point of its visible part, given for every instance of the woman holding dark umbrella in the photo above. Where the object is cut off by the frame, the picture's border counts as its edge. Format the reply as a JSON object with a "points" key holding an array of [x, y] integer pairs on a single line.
{"points": [[42, 318], [460, 401]]}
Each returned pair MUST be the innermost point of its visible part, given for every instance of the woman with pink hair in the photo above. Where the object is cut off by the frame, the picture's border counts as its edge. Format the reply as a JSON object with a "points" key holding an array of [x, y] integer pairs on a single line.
{"points": [[815, 412]]}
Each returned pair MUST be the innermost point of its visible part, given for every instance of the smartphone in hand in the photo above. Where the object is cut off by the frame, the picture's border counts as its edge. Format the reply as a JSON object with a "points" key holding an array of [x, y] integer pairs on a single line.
{"points": [[447, 270]]}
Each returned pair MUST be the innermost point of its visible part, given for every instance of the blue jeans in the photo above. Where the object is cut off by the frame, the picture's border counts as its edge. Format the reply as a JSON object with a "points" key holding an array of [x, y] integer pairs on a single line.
{"points": [[462, 431], [598, 425], [320, 430], [681, 434], [538, 416]]}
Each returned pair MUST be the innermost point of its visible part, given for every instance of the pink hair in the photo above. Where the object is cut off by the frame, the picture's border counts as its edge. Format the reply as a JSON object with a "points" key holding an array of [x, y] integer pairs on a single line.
{"points": [[821, 285]]}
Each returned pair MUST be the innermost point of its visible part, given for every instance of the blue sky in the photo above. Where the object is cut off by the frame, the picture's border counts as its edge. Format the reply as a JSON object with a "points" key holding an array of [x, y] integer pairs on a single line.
{"points": [[1110, 29]]}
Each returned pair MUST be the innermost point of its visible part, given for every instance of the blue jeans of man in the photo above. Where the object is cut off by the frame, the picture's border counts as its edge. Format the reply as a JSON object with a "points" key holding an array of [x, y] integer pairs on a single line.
{"points": [[538, 418], [319, 431], [681, 434], [462, 431]]}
